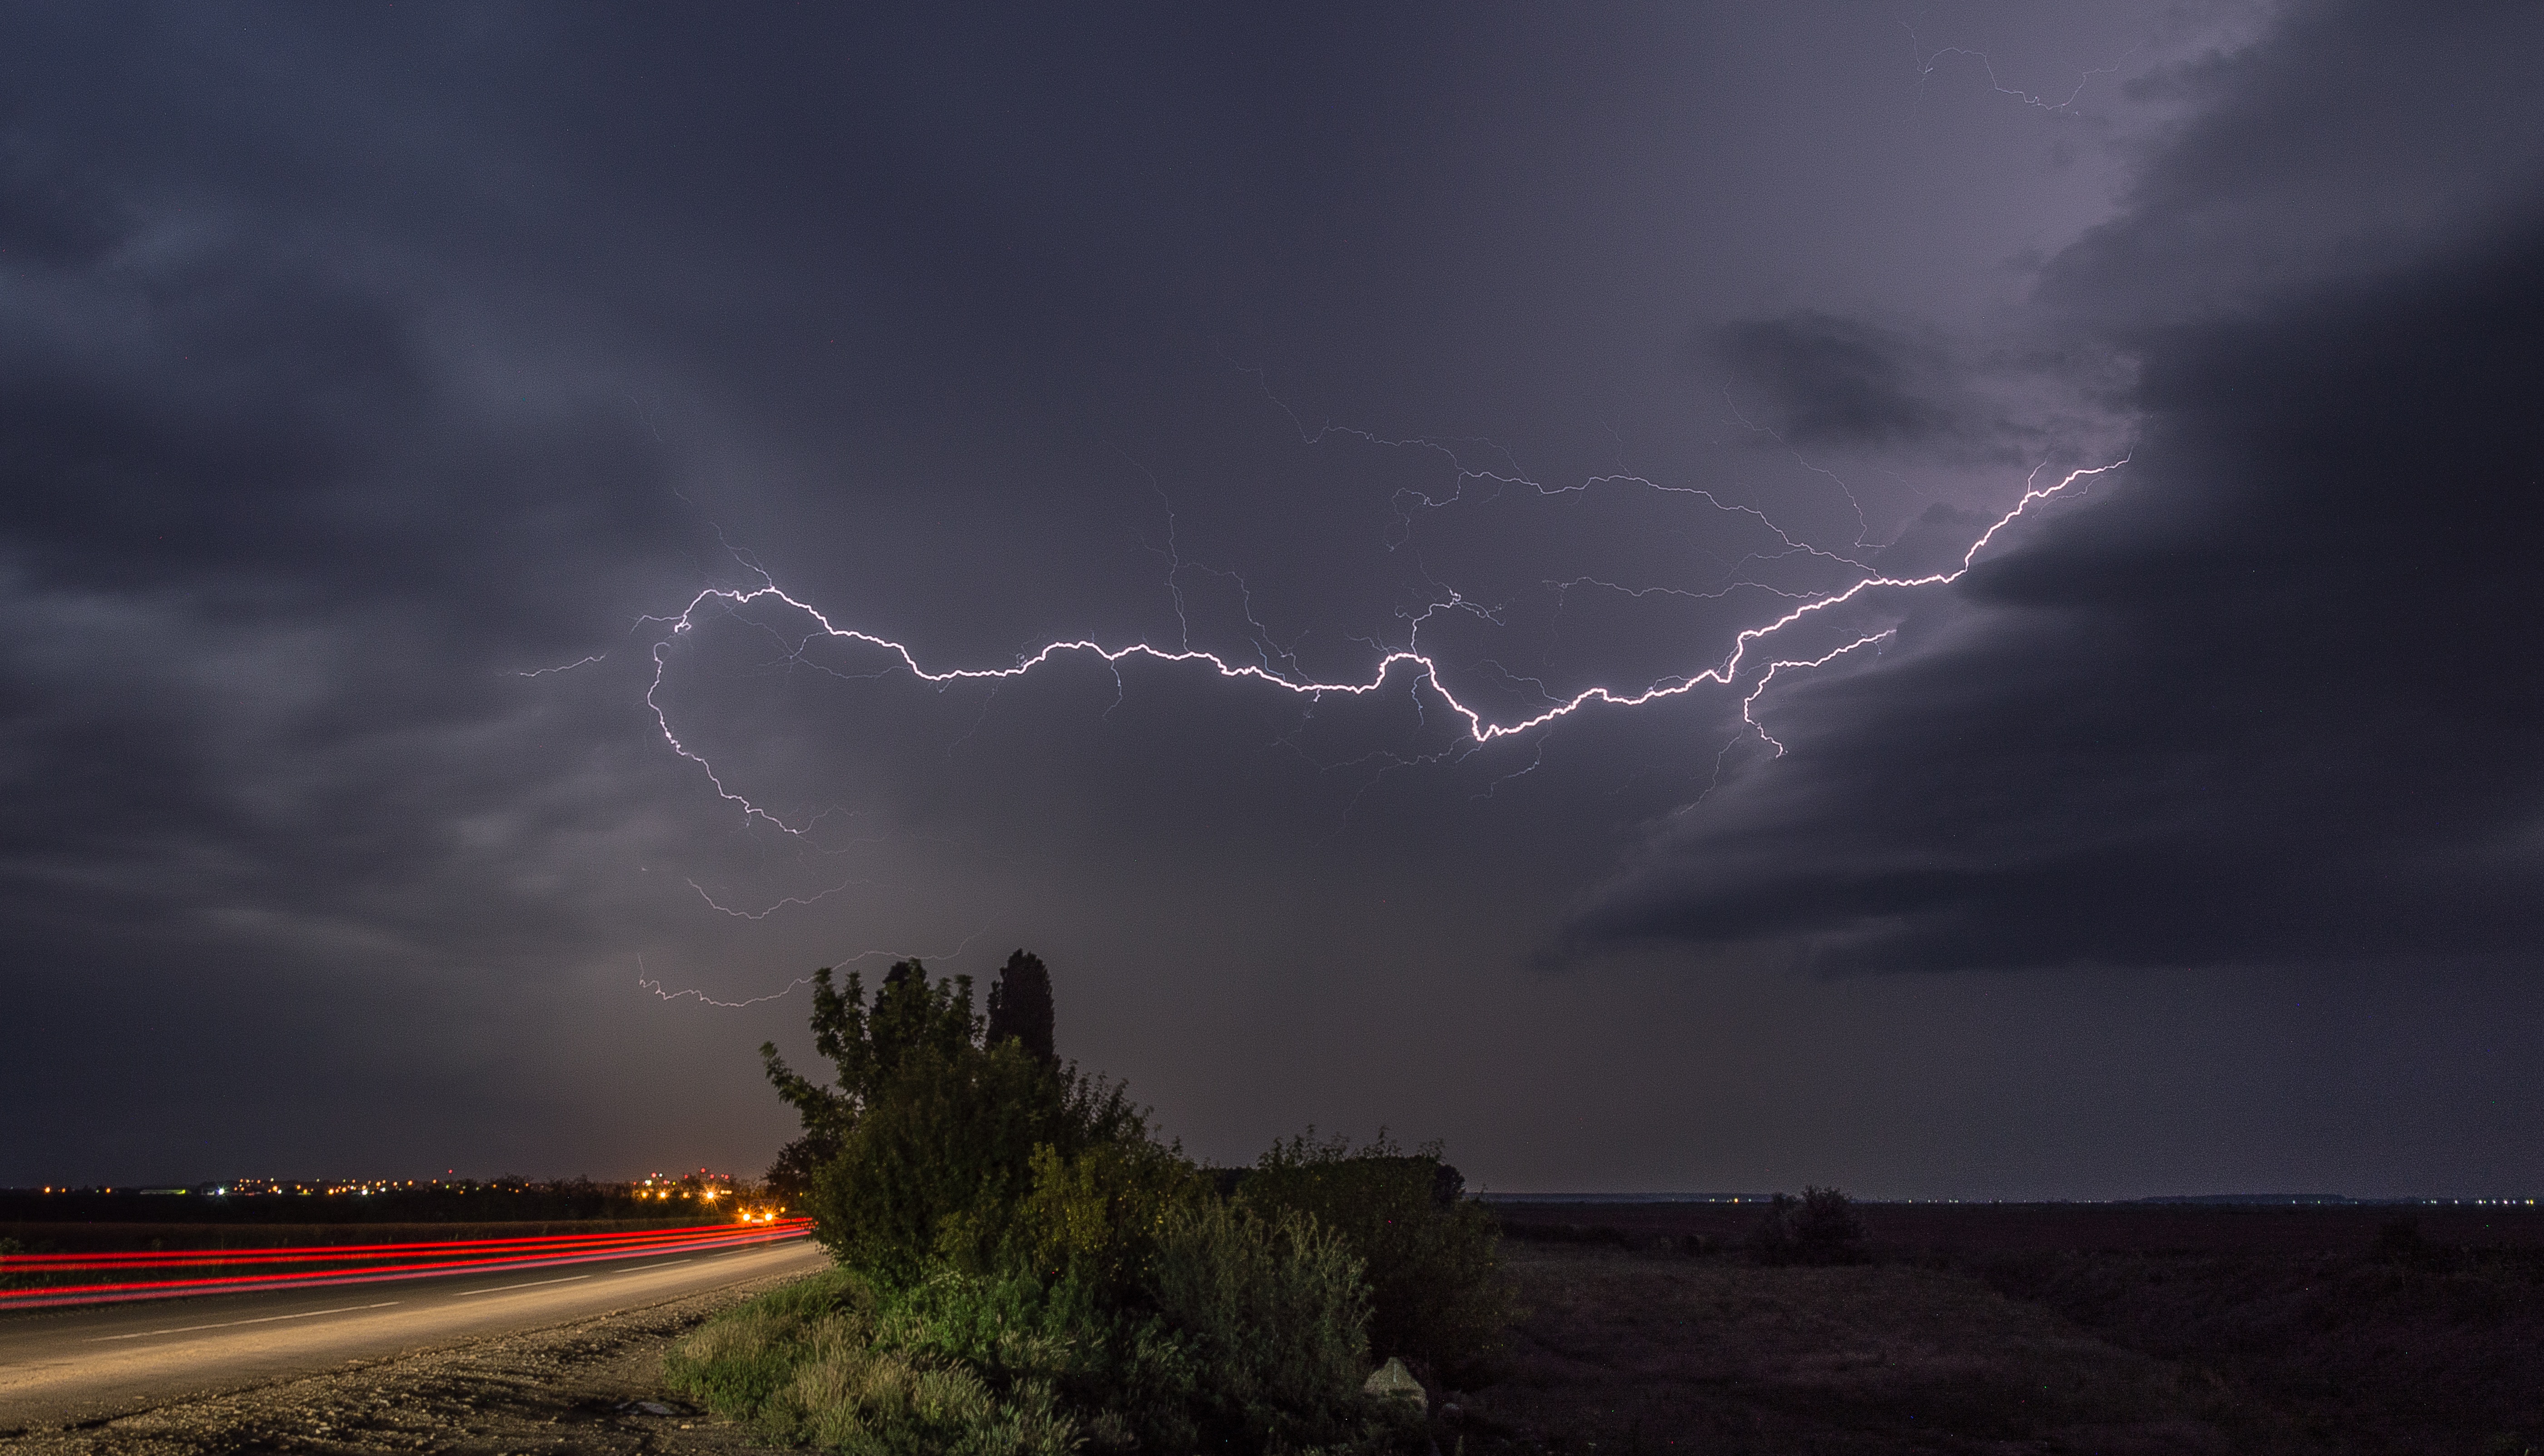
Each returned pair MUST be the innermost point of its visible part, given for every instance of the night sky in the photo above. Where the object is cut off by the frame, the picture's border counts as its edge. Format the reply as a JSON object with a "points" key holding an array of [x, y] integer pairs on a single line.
{"points": [[402, 406]]}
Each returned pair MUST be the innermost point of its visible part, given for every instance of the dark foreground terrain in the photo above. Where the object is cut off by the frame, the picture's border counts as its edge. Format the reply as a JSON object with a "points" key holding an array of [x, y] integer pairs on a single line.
{"points": [[1628, 1351], [1972, 1330], [2056, 1328]]}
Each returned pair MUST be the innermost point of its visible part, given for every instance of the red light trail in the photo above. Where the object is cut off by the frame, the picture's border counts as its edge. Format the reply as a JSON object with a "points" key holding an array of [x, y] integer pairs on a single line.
{"points": [[362, 1264]]}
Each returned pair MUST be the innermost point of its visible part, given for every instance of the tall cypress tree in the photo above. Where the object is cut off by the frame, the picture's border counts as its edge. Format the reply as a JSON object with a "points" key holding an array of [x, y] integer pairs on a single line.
{"points": [[1020, 1007]]}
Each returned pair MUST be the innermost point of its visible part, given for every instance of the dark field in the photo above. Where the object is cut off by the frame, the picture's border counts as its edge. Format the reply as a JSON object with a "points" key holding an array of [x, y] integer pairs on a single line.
{"points": [[2022, 1329], [1624, 1352], [2020, 1228]]}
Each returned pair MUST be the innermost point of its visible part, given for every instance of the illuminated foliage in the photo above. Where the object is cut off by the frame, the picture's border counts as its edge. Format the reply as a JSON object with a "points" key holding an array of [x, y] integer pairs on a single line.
{"points": [[1014, 1229]]}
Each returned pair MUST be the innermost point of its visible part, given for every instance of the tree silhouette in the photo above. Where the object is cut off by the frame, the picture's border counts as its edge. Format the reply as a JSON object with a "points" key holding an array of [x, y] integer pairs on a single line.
{"points": [[1020, 1007], [867, 1047]]}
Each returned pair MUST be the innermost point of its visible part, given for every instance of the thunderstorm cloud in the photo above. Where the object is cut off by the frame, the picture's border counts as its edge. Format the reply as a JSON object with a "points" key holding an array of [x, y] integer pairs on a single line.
{"points": [[400, 406]]}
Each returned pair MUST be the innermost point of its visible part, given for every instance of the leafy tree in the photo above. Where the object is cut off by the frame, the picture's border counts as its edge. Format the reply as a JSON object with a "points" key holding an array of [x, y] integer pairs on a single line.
{"points": [[931, 1135], [867, 1048], [791, 1175], [1020, 1006]]}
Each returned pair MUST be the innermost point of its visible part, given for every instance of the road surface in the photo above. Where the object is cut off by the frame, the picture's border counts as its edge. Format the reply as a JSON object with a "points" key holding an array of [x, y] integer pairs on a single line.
{"points": [[66, 1366]]}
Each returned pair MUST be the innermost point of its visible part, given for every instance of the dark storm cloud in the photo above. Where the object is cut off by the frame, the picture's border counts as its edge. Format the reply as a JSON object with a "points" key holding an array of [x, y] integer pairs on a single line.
{"points": [[355, 362], [273, 555], [1830, 380], [2270, 700], [2355, 139], [49, 216]]}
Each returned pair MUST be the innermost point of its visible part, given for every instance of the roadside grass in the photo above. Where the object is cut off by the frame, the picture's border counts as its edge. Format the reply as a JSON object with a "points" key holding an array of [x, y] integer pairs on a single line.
{"points": [[802, 1365], [1636, 1351], [740, 1362]]}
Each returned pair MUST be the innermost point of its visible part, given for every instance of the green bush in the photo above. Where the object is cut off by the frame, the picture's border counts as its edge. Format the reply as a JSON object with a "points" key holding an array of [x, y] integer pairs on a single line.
{"points": [[1246, 1334], [1096, 1217], [1167, 1315], [1432, 1258], [1277, 1317], [936, 1162], [1025, 1267]]}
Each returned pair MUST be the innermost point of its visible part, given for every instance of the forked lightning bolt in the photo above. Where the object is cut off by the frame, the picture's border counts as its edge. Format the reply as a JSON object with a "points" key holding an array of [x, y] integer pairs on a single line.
{"points": [[1419, 667], [646, 983]]}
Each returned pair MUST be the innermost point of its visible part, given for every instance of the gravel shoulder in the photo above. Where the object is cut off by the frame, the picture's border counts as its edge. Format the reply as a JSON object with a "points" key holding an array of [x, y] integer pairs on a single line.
{"points": [[564, 1388]]}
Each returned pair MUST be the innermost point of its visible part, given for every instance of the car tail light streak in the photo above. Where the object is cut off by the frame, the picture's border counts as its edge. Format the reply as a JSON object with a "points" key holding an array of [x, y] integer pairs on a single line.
{"points": [[98, 1278]]}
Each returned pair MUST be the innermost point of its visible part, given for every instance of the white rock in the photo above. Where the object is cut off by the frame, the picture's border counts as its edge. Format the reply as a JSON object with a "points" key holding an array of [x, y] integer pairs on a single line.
{"points": [[1393, 1382]]}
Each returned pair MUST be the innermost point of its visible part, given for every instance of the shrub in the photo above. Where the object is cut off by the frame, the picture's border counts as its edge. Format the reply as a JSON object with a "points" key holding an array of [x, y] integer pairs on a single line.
{"points": [[1096, 1217], [1167, 1315], [1431, 1258], [1025, 1267], [938, 1160], [1245, 1330], [1277, 1317], [1819, 1227]]}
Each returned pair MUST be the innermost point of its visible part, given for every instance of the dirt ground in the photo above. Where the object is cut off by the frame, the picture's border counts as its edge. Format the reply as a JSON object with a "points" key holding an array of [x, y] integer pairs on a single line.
{"points": [[570, 1388], [1639, 1352]]}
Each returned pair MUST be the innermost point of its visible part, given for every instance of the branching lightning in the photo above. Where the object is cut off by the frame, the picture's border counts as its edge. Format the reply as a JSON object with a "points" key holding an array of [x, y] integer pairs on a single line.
{"points": [[772, 909], [1767, 676], [1409, 664], [1482, 471], [1928, 60], [645, 983], [566, 668]]}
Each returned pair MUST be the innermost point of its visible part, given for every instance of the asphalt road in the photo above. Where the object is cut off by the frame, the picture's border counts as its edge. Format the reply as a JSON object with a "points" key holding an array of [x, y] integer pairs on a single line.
{"points": [[66, 1366]]}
